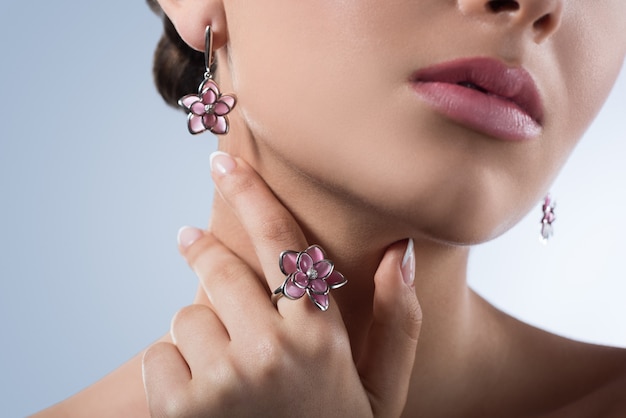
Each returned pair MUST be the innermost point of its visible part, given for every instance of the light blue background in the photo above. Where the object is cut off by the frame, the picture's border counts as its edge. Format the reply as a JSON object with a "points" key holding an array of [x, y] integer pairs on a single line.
{"points": [[97, 175]]}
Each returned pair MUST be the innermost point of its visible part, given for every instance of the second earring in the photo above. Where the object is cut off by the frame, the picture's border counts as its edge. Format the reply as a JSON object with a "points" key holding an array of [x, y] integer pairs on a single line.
{"points": [[548, 218]]}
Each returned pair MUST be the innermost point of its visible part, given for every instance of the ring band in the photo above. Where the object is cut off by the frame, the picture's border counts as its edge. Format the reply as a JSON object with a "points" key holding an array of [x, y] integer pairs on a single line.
{"points": [[308, 272]]}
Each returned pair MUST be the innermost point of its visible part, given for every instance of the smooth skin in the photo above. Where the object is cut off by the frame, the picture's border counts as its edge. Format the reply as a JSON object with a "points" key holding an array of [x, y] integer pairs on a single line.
{"points": [[347, 156]]}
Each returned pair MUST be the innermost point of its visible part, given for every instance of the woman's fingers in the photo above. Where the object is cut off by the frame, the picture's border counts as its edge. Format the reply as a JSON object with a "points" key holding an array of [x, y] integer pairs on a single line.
{"points": [[387, 362], [268, 224], [240, 348], [244, 358]]}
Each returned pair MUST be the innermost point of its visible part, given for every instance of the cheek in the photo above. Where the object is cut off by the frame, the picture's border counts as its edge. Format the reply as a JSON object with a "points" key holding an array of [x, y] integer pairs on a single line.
{"points": [[275, 72], [306, 82], [589, 60]]}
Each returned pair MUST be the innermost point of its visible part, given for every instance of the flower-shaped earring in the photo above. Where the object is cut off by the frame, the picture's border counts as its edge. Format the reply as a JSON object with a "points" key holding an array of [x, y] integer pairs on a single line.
{"points": [[548, 218], [208, 109]]}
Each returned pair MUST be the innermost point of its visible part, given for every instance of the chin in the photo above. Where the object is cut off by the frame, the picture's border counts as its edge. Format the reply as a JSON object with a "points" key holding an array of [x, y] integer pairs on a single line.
{"points": [[471, 218], [463, 234]]}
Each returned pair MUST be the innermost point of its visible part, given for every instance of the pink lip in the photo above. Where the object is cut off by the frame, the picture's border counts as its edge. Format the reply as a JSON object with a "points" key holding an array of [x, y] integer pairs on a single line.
{"points": [[484, 95]]}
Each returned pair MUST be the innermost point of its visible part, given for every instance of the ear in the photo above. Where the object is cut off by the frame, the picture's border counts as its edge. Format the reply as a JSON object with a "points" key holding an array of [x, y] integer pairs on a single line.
{"points": [[191, 17]]}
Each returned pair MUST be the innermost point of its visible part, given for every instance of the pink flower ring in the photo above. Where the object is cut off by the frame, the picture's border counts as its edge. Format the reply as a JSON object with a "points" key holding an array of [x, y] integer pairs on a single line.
{"points": [[309, 272]]}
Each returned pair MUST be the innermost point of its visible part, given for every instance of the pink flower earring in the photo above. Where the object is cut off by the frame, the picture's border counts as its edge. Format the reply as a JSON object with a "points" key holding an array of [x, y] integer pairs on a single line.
{"points": [[208, 109], [548, 218]]}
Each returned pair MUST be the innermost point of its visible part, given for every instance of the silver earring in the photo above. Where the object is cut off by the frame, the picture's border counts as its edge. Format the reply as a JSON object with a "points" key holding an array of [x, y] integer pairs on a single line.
{"points": [[207, 110], [548, 218]]}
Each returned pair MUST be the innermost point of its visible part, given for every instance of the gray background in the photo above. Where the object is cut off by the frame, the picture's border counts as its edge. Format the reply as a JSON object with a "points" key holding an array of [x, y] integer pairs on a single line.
{"points": [[97, 175]]}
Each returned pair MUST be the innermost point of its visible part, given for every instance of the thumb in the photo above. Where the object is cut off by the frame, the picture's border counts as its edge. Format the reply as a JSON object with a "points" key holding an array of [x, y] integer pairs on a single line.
{"points": [[387, 361]]}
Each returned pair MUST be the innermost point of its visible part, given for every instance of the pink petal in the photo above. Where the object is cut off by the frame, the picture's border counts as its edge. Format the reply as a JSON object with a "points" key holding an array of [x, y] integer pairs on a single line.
{"points": [[210, 92], [547, 200], [292, 291], [221, 108], [198, 108], [316, 253], [301, 280], [209, 120], [209, 97], [336, 280], [211, 85], [321, 301], [305, 262], [228, 100], [194, 123], [323, 268], [319, 286], [188, 101], [221, 125], [287, 262]]}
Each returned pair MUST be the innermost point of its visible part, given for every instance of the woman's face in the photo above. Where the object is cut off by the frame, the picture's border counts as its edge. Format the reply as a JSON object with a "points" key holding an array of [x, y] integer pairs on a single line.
{"points": [[346, 92]]}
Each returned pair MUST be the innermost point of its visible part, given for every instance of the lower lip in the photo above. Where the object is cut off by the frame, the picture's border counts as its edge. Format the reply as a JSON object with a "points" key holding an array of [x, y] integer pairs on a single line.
{"points": [[492, 115]]}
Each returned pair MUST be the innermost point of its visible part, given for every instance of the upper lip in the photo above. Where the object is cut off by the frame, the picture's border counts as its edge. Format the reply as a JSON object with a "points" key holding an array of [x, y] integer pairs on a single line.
{"points": [[490, 76]]}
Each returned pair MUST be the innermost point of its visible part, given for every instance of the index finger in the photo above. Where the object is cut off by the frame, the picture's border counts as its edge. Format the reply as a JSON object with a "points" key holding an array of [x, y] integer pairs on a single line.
{"points": [[270, 226]]}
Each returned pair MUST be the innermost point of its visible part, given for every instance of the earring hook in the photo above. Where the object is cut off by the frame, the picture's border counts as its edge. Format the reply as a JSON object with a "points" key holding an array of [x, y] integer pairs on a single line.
{"points": [[208, 52]]}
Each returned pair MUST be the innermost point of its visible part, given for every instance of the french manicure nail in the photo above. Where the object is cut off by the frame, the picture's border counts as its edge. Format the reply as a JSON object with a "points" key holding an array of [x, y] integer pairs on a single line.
{"points": [[187, 235], [222, 163], [408, 264]]}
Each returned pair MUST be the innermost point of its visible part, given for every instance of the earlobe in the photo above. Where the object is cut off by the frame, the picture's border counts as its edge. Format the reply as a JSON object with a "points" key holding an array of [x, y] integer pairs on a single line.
{"points": [[191, 17]]}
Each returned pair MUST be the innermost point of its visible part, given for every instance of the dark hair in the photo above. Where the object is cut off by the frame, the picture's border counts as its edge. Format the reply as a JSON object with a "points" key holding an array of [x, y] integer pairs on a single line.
{"points": [[177, 69]]}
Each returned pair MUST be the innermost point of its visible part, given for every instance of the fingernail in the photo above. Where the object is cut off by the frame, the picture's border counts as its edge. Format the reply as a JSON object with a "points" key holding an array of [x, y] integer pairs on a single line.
{"points": [[187, 235], [222, 163], [408, 264]]}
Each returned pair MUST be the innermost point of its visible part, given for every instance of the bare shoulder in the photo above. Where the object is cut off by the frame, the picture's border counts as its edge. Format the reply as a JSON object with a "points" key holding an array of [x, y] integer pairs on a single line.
{"points": [[535, 373], [584, 380], [613, 397], [607, 400]]}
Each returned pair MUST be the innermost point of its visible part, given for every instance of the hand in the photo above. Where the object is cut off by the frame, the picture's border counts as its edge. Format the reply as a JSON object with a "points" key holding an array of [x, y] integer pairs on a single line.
{"points": [[243, 356]]}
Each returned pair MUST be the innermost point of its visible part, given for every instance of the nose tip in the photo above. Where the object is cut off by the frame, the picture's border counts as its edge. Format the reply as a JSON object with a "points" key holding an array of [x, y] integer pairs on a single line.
{"points": [[540, 17]]}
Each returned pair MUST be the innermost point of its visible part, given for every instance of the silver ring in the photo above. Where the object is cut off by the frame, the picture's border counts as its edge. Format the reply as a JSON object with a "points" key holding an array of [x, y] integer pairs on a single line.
{"points": [[308, 272]]}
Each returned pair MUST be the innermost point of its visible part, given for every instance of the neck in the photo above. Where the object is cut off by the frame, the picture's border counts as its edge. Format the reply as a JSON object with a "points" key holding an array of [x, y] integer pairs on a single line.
{"points": [[355, 236]]}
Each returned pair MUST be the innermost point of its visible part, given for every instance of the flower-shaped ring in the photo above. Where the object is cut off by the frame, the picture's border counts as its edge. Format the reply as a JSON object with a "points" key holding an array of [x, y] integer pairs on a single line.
{"points": [[309, 272]]}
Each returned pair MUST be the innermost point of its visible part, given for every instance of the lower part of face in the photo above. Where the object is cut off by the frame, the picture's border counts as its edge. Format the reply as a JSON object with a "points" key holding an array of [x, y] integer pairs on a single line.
{"points": [[327, 86]]}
